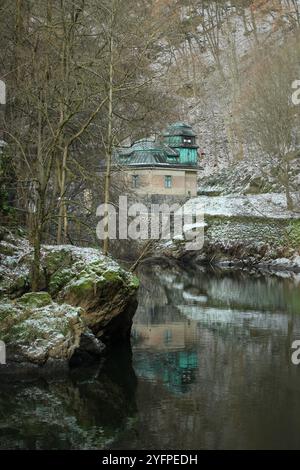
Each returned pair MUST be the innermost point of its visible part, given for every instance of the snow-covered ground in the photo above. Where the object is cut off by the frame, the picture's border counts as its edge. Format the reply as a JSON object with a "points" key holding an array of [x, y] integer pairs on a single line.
{"points": [[270, 205]]}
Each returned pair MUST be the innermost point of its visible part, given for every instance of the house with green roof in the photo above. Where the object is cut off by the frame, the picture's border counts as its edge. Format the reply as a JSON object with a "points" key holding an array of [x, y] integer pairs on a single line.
{"points": [[167, 165]]}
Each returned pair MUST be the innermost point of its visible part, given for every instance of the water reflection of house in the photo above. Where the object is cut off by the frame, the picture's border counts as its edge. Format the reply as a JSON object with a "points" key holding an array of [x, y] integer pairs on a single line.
{"points": [[175, 369], [173, 358], [168, 336]]}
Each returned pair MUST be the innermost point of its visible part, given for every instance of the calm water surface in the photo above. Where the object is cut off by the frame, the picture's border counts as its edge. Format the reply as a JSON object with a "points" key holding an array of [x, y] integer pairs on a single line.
{"points": [[210, 369]]}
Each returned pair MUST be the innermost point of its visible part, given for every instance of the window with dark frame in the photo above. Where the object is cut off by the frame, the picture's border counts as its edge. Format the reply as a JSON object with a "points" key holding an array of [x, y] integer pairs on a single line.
{"points": [[135, 181], [168, 181]]}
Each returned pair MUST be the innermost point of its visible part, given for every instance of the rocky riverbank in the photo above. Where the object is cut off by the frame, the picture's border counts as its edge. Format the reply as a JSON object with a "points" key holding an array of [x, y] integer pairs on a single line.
{"points": [[254, 231], [85, 304]]}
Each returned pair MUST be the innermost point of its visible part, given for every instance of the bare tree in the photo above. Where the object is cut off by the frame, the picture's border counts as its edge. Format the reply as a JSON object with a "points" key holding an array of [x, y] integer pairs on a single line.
{"points": [[81, 79], [270, 120]]}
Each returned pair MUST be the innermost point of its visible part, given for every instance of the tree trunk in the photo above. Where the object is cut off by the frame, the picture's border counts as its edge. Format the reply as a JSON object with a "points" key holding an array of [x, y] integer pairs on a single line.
{"points": [[37, 241], [109, 136], [39, 209], [62, 204], [35, 275]]}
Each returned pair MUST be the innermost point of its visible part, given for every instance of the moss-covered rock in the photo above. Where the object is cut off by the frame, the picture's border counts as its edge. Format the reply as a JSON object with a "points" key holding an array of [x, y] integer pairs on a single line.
{"points": [[81, 281], [35, 299], [55, 333], [59, 279], [7, 249], [107, 294], [10, 314], [19, 284], [39, 334], [56, 259], [14, 285], [134, 282], [293, 234]]}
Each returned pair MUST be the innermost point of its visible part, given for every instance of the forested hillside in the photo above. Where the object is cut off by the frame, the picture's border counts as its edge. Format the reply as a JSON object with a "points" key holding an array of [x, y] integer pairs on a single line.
{"points": [[83, 77]]}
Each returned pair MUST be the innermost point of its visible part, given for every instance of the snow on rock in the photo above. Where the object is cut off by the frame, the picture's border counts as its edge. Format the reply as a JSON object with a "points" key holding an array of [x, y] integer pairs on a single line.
{"points": [[243, 232], [37, 334], [296, 261], [86, 300], [270, 205]]}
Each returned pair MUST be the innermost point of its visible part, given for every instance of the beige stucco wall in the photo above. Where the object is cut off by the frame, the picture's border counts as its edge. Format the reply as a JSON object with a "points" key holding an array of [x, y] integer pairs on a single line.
{"points": [[191, 182], [152, 181]]}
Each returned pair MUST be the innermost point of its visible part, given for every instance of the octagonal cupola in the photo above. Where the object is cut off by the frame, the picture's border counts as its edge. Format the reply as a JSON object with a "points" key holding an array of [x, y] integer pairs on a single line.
{"points": [[181, 137]]}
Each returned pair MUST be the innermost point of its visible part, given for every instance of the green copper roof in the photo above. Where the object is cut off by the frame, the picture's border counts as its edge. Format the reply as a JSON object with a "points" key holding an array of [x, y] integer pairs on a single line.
{"points": [[174, 150], [179, 128], [147, 145], [147, 152]]}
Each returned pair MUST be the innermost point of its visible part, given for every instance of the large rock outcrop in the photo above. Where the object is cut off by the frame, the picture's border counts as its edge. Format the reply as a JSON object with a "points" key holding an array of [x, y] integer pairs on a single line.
{"points": [[86, 302], [37, 332]]}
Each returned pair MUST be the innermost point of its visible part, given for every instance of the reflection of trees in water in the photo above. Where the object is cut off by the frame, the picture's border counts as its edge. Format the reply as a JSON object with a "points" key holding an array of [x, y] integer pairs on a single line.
{"points": [[263, 293], [88, 409], [209, 383], [243, 392], [233, 289], [157, 302]]}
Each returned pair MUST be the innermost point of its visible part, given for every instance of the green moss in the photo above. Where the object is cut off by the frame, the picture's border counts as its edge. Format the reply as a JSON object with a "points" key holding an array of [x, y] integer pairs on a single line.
{"points": [[5, 312], [112, 276], [23, 332], [59, 279], [82, 286], [55, 260], [19, 285], [10, 315], [134, 282], [35, 299], [20, 324], [6, 249], [293, 234], [64, 328], [37, 327], [98, 266]]}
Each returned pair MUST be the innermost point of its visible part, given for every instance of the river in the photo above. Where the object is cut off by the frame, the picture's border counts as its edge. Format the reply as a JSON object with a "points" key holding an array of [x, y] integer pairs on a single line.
{"points": [[210, 368]]}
